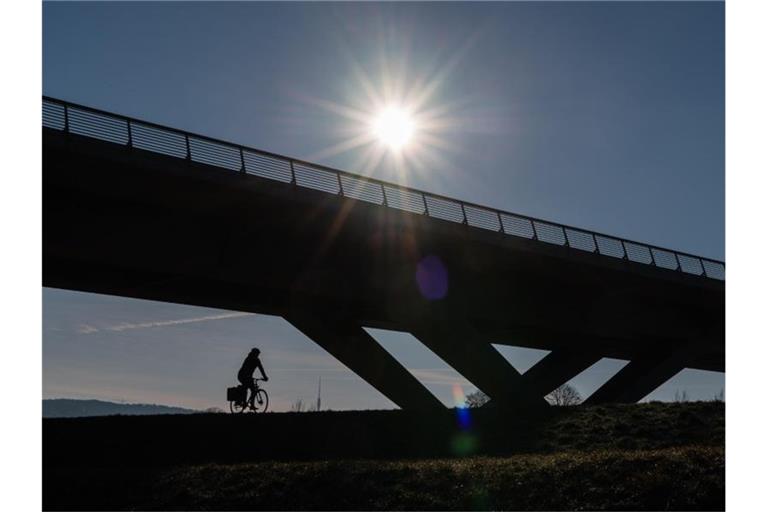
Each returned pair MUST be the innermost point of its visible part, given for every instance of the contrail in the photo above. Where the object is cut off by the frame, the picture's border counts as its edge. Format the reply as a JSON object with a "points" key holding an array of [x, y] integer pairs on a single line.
{"points": [[88, 329]]}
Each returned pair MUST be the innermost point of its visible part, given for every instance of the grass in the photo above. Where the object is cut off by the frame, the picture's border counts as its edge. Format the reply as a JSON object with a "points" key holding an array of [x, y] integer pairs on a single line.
{"points": [[618, 457], [634, 426], [690, 478]]}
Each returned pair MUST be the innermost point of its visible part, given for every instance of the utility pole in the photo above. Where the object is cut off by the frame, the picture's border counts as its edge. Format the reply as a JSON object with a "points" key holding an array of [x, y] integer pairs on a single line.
{"points": [[319, 383]]}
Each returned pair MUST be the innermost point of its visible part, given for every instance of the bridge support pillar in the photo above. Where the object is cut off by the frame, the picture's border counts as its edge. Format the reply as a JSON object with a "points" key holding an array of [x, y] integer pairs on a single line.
{"points": [[356, 349], [479, 363], [638, 378], [557, 368]]}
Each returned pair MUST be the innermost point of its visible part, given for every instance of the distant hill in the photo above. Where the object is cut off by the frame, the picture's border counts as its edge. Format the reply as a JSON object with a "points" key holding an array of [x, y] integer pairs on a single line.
{"points": [[70, 408]]}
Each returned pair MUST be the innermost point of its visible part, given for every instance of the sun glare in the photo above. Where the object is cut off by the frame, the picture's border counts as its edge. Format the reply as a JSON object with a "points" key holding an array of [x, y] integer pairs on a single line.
{"points": [[394, 123], [394, 127]]}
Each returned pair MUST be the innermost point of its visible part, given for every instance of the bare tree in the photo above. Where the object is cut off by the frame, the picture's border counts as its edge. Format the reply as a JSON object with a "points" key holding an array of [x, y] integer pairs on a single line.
{"points": [[681, 397], [476, 399], [564, 395], [720, 397], [297, 406], [300, 406]]}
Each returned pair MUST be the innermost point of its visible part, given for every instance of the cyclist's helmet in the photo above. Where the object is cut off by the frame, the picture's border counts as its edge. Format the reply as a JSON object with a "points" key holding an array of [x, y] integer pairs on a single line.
{"points": [[254, 349]]}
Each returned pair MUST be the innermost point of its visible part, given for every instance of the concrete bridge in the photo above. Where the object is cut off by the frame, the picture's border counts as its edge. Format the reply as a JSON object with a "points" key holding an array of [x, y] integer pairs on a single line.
{"points": [[135, 209]]}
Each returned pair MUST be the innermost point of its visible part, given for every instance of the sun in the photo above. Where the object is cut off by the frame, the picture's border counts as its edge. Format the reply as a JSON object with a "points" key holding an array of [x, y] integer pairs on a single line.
{"points": [[394, 127]]}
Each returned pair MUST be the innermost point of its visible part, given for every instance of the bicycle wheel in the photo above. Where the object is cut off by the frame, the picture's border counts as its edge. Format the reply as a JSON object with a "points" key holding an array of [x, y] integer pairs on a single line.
{"points": [[237, 407], [262, 401]]}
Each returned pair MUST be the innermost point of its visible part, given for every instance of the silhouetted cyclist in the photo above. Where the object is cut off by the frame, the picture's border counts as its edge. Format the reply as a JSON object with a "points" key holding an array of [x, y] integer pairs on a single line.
{"points": [[245, 375]]}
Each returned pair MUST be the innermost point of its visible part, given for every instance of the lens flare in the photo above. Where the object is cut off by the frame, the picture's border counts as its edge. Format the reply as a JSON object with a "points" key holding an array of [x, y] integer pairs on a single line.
{"points": [[459, 399], [464, 418], [432, 278], [464, 444], [462, 411]]}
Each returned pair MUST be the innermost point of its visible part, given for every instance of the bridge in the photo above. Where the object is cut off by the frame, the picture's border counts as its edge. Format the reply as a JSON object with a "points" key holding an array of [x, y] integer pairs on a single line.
{"points": [[136, 209]]}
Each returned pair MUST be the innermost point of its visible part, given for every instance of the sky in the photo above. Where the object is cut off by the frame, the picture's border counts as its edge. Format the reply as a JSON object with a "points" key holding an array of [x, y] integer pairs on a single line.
{"points": [[603, 115]]}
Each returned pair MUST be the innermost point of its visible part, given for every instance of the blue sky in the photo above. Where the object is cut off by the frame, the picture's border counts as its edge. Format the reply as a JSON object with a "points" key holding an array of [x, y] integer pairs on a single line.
{"points": [[608, 116]]}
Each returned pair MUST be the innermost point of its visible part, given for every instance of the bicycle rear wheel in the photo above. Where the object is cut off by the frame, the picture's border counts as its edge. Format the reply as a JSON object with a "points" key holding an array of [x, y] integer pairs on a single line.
{"points": [[237, 407], [261, 403]]}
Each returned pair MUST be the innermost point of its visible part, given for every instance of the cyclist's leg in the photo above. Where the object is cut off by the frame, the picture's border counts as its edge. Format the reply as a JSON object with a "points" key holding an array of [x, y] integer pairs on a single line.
{"points": [[247, 383], [252, 386]]}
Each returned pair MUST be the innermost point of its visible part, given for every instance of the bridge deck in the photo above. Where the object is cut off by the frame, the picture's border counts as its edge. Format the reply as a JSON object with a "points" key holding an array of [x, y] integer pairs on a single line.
{"points": [[124, 220], [86, 121]]}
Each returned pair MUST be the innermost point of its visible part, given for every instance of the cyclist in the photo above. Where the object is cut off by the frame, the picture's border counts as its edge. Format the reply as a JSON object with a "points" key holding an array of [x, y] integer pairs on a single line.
{"points": [[245, 375]]}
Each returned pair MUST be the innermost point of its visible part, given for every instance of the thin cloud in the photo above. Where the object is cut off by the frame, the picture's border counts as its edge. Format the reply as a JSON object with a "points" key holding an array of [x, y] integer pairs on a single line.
{"points": [[89, 329], [439, 376], [332, 370]]}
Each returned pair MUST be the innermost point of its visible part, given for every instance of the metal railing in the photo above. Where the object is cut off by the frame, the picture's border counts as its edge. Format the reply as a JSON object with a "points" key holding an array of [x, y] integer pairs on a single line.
{"points": [[97, 124]]}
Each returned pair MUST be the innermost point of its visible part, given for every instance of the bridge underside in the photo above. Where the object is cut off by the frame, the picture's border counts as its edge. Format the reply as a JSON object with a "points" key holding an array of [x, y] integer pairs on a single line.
{"points": [[127, 222]]}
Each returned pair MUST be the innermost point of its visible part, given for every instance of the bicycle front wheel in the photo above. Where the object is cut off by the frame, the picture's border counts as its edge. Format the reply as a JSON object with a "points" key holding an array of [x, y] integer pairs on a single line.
{"points": [[261, 402]]}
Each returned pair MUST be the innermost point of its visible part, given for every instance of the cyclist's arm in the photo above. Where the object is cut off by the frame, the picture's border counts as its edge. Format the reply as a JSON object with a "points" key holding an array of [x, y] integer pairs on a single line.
{"points": [[261, 369]]}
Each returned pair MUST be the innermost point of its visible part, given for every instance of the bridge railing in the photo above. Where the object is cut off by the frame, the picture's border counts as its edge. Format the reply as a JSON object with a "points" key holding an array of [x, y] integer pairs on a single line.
{"points": [[90, 122]]}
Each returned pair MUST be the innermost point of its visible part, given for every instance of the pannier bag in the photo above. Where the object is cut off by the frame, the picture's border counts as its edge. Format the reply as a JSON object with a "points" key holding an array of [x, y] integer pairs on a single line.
{"points": [[237, 394]]}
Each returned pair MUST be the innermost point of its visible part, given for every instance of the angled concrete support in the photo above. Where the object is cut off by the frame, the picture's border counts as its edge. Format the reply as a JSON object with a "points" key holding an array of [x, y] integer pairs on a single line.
{"points": [[639, 378], [557, 368], [479, 363], [355, 348]]}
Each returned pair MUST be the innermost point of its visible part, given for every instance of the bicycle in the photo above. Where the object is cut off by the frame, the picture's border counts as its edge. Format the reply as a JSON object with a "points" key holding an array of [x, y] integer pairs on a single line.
{"points": [[239, 403]]}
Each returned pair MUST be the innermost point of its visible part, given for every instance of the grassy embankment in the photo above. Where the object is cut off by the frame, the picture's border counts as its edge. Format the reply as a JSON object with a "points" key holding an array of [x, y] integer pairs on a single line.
{"points": [[647, 456]]}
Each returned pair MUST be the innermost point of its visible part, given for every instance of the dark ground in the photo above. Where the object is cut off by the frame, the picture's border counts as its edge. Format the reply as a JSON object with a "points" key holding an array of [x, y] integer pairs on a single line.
{"points": [[644, 456]]}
